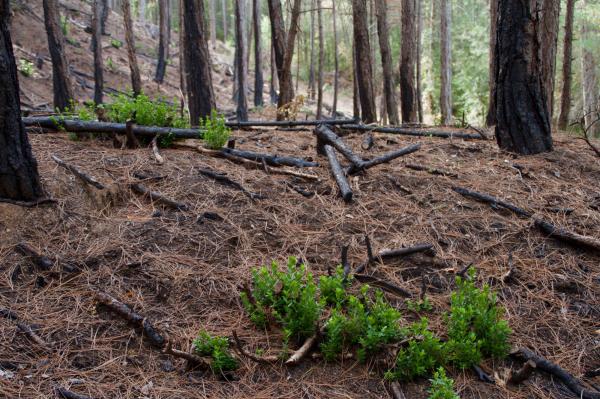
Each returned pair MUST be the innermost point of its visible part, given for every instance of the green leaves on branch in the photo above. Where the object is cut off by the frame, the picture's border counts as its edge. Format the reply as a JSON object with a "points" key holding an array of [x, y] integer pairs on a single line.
{"points": [[216, 132], [442, 387], [217, 348]]}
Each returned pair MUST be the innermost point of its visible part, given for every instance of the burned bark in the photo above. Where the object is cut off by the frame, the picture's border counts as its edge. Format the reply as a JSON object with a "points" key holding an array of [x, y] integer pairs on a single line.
{"points": [[386, 60], [446, 62], [567, 77], [258, 73], [97, 50], [163, 40], [136, 81], [408, 63], [490, 119], [364, 72], [241, 72]]}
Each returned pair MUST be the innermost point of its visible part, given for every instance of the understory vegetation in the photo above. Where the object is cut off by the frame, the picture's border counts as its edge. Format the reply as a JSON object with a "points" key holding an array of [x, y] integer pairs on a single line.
{"points": [[365, 323]]}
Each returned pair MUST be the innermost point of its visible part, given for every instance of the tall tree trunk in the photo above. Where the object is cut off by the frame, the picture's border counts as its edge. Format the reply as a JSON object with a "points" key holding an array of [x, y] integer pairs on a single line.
{"points": [[284, 50], [321, 59], [242, 67], [490, 119], [97, 50], [523, 120], [567, 78], [418, 66], [311, 70], [355, 94], [182, 74], [136, 81], [19, 178], [163, 42], [274, 82], [61, 81], [408, 62], [366, 92], [548, 32], [591, 102], [446, 62], [142, 11], [336, 72], [258, 72], [386, 61], [104, 16], [224, 8], [201, 97], [212, 18]]}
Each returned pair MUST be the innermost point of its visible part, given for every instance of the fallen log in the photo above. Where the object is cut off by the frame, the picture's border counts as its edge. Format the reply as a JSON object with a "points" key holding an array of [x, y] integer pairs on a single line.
{"points": [[289, 124], [390, 156], [516, 377], [41, 261], [304, 350], [548, 228], [411, 132], [326, 136], [80, 174], [25, 329], [543, 364], [159, 159], [393, 253], [338, 174], [430, 170], [154, 196], [257, 359], [300, 190], [133, 318], [221, 178], [384, 285], [272, 160], [66, 394]]}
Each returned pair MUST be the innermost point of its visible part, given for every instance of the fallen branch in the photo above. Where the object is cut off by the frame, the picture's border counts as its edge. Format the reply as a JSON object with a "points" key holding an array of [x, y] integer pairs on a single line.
{"points": [[546, 227], [257, 359], [543, 364], [159, 159], [222, 178], [193, 360], [154, 196], [25, 329], [38, 259], [397, 390], [80, 174], [304, 350], [273, 160], [133, 318], [412, 132], [516, 377], [482, 375], [394, 253], [390, 156], [338, 174], [246, 124], [325, 136], [65, 394], [299, 190], [384, 285], [432, 171]]}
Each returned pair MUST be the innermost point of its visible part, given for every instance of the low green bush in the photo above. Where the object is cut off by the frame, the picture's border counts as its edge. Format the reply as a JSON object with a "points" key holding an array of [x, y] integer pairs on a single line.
{"points": [[442, 387], [216, 133], [217, 348], [25, 67]]}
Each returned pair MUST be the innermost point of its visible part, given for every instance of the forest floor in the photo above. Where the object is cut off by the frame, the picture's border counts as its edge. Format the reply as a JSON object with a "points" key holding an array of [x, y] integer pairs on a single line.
{"points": [[183, 270]]}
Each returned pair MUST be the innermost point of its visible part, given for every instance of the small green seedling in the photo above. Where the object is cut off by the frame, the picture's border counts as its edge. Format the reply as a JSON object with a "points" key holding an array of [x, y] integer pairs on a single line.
{"points": [[216, 133], [217, 348], [442, 387], [422, 305], [25, 67], [116, 43]]}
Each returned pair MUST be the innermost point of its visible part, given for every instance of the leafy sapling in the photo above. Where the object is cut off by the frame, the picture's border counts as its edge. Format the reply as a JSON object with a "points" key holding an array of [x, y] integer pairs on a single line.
{"points": [[217, 348], [216, 133], [442, 387]]}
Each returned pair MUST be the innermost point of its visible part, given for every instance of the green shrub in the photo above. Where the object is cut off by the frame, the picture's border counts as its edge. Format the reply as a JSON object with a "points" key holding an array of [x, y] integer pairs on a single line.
{"points": [[111, 65], [146, 111], [332, 289], [288, 297], [217, 348], [442, 387], [424, 353], [423, 305], [116, 43], [25, 67], [475, 325], [64, 25], [216, 133]]}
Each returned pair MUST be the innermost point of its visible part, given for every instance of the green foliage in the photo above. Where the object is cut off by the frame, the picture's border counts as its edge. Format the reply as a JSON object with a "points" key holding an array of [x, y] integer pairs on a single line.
{"points": [[442, 387], [145, 111], [424, 353], [287, 296], [368, 323], [64, 25], [218, 349], [333, 288], [111, 65], [25, 67], [216, 132], [116, 43], [475, 325], [423, 305]]}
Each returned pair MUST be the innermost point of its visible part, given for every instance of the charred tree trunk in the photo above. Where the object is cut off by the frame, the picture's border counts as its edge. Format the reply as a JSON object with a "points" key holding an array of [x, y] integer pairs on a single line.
{"points": [[136, 81], [355, 101], [490, 119], [321, 59], [548, 32], [591, 102], [97, 50], [446, 64], [258, 72], [19, 178], [61, 82], [212, 20], [182, 75], [386, 60], [523, 120], [418, 60], [274, 95], [201, 97], [242, 67], [364, 72], [567, 78], [311, 70], [408, 63], [163, 41], [336, 73], [103, 16], [284, 50]]}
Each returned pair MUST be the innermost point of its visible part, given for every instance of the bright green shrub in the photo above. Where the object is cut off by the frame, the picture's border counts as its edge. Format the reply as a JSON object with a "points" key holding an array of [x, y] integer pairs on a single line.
{"points": [[442, 387], [216, 133], [332, 289], [218, 349], [145, 111]]}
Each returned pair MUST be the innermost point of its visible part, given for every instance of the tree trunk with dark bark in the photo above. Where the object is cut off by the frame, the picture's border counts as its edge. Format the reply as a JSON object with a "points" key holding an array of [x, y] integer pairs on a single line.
{"points": [[163, 41], [212, 20], [567, 78], [321, 59], [523, 119], [97, 51], [311, 70], [242, 67], [591, 100], [548, 32], [408, 63], [258, 66], [225, 13], [182, 75], [201, 97], [386, 61], [446, 64], [364, 72], [490, 119], [418, 60], [278, 35], [336, 73], [61, 81], [19, 179], [136, 81], [104, 16]]}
